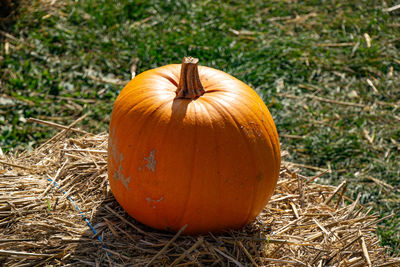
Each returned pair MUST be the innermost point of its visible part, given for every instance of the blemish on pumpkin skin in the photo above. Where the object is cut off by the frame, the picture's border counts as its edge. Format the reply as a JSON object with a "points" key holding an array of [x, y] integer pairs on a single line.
{"points": [[154, 202], [151, 161], [148, 199], [117, 157], [256, 128], [262, 113]]}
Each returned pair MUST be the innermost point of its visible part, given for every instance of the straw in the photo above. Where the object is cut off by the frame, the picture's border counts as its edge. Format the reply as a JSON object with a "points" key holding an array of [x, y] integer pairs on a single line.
{"points": [[57, 209]]}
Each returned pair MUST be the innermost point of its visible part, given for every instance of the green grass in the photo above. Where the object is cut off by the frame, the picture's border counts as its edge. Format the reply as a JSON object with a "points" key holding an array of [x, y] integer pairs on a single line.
{"points": [[286, 50]]}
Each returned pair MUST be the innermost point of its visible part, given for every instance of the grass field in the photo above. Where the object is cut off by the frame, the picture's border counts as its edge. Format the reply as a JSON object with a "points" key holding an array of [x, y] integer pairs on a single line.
{"points": [[328, 71]]}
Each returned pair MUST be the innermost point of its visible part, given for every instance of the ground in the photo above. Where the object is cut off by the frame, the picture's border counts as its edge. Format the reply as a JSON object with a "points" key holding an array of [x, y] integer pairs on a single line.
{"points": [[328, 71]]}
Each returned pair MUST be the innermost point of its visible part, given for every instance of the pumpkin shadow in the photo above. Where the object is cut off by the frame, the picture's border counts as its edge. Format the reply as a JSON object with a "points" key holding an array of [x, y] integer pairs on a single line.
{"points": [[116, 239], [113, 238]]}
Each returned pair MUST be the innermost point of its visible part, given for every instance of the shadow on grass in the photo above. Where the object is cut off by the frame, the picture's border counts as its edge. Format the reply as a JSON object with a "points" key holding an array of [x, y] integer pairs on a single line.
{"points": [[8, 12]]}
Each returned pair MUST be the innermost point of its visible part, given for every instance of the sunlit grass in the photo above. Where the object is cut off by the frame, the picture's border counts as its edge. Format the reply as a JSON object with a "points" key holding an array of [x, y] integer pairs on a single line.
{"points": [[286, 50]]}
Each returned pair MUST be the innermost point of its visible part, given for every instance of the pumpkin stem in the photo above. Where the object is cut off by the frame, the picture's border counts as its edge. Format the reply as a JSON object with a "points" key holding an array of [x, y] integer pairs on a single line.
{"points": [[190, 86]]}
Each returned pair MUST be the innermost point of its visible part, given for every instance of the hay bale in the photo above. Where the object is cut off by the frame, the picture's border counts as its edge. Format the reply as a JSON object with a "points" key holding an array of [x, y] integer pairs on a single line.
{"points": [[56, 208]]}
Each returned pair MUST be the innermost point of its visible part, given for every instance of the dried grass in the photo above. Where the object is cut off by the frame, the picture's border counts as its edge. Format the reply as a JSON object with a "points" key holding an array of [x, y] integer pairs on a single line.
{"points": [[56, 208]]}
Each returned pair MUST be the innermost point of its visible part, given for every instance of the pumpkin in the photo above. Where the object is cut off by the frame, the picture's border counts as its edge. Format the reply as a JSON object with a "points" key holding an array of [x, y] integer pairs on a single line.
{"points": [[192, 145]]}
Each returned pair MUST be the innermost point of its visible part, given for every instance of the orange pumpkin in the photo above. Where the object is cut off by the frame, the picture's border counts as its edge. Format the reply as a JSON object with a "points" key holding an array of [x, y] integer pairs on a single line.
{"points": [[192, 145]]}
